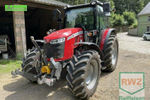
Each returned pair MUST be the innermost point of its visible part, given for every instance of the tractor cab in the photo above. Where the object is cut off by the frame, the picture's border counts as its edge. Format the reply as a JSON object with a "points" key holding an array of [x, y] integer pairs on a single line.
{"points": [[92, 18]]}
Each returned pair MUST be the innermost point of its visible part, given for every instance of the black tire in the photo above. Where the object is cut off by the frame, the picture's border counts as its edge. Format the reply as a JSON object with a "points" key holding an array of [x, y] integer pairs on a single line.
{"points": [[63, 74], [30, 62], [79, 71], [111, 54], [145, 38]]}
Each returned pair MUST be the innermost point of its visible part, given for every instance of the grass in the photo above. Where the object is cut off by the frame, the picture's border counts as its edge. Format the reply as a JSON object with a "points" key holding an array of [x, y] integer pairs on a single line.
{"points": [[6, 66]]}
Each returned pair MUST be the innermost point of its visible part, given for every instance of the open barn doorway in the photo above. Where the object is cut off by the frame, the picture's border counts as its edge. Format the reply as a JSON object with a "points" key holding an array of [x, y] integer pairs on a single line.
{"points": [[7, 30], [38, 21]]}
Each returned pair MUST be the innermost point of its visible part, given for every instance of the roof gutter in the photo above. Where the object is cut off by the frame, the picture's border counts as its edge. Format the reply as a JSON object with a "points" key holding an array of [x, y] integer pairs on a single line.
{"points": [[143, 14], [45, 2]]}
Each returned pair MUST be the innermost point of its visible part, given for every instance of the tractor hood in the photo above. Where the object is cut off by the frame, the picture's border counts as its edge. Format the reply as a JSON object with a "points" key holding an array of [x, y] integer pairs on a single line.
{"points": [[63, 33]]}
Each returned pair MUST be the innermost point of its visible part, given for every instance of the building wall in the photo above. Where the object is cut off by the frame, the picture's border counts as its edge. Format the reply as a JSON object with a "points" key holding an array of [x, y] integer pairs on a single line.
{"points": [[132, 31], [143, 22]]}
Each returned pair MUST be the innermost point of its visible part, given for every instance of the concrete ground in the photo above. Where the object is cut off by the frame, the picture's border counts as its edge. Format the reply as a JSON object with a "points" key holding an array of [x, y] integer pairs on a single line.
{"points": [[134, 56], [135, 44]]}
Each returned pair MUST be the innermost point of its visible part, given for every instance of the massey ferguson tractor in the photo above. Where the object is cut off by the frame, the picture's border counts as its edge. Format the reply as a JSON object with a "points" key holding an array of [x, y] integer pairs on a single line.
{"points": [[79, 52]]}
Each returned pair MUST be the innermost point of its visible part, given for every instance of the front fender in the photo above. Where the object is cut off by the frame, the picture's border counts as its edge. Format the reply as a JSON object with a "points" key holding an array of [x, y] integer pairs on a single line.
{"points": [[105, 36], [91, 46]]}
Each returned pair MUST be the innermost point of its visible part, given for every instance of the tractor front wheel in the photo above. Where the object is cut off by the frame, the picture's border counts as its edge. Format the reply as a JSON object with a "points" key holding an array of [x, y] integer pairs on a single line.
{"points": [[30, 62], [83, 74]]}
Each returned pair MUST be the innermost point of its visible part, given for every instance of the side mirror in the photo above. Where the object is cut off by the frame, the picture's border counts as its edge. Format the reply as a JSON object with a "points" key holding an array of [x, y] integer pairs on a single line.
{"points": [[106, 8]]}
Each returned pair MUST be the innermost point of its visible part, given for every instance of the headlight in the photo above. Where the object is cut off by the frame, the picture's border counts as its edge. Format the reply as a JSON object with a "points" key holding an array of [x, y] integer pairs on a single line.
{"points": [[57, 41]]}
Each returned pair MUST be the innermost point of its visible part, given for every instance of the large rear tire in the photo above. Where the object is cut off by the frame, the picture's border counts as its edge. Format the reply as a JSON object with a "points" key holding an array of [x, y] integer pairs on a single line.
{"points": [[83, 74], [111, 54], [30, 62]]}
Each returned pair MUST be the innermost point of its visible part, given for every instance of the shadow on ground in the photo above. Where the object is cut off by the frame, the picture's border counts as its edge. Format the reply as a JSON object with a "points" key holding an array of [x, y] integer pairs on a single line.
{"points": [[24, 90]]}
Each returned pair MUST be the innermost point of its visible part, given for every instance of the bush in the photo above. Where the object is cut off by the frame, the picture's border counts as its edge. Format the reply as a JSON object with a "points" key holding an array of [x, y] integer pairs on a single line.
{"points": [[6, 66], [117, 20], [129, 18], [134, 25]]}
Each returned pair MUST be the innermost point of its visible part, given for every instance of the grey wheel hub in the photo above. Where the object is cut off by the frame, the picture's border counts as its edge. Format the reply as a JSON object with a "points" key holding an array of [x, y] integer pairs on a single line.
{"points": [[92, 74]]}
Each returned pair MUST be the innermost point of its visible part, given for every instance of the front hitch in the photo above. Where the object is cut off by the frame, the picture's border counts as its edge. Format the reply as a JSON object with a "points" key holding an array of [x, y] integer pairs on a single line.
{"points": [[29, 76], [42, 54], [38, 60]]}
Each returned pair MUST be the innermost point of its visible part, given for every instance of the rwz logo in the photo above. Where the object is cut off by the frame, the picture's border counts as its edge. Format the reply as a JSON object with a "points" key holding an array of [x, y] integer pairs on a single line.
{"points": [[131, 85]]}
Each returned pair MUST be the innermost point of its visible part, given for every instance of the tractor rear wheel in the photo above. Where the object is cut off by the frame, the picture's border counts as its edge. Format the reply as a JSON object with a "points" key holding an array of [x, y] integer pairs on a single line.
{"points": [[83, 74], [30, 62], [111, 54]]}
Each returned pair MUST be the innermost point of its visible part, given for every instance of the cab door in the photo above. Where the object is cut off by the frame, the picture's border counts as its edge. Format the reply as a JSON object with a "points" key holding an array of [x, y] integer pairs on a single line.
{"points": [[101, 21]]}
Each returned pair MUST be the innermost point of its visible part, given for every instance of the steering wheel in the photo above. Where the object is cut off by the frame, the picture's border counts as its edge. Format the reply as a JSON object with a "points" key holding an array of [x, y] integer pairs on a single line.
{"points": [[81, 26]]}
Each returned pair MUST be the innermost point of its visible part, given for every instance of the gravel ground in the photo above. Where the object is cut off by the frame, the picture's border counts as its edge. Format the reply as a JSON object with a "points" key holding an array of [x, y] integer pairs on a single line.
{"points": [[134, 56], [135, 44]]}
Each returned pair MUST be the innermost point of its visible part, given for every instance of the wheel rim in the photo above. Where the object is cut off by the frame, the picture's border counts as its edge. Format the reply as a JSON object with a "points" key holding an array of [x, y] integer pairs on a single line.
{"points": [[92, 74], [114, 54]]}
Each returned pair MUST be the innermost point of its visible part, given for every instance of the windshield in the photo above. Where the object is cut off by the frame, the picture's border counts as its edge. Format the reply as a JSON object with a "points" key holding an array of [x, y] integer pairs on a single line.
{"points": [[80, 16], [2, 42]]}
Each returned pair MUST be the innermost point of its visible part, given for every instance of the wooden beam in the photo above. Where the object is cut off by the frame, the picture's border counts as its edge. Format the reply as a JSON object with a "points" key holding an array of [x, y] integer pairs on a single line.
{"points": [[20, 33], [39, 5], [30, 4], [7, 2]]}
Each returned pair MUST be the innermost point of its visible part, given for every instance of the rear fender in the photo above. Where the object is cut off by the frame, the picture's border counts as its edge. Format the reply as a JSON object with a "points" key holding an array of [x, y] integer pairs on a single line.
{"points": [[91, 46], [105, 36]]}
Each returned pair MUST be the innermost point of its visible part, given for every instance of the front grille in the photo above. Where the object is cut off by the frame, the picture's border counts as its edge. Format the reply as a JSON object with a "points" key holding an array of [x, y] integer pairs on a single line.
{"points": [[54, 50]]}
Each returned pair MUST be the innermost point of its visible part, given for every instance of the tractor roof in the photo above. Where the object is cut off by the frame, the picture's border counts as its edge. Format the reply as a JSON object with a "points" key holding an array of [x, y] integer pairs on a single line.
{"points": [[85, 5]]}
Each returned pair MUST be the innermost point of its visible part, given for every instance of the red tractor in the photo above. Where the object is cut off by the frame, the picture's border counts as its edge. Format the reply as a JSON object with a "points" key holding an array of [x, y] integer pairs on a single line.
{"points": [[79, 52]]}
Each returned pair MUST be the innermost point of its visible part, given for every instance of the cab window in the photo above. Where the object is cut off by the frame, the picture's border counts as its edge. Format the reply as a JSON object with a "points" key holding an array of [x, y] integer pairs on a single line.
{"points": [[80, 16], [100, 18]]}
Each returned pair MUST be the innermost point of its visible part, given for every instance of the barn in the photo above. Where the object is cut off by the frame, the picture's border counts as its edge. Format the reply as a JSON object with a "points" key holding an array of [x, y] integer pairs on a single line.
{"points": [[18, 26]]}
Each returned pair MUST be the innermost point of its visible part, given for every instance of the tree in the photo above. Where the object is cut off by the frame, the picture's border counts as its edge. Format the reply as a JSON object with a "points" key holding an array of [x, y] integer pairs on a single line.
{"points": [[129, 18], [128, 5], [138, 6], [116, 20], [146, 2]]}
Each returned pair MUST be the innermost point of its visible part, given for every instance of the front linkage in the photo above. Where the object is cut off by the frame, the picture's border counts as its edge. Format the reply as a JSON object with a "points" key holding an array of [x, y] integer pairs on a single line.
{"points": [[36, 67]]}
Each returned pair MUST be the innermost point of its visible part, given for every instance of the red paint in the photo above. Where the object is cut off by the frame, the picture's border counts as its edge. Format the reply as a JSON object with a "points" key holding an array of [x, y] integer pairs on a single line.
{"points": [[103, 38], [69, 44], [61, 33]]}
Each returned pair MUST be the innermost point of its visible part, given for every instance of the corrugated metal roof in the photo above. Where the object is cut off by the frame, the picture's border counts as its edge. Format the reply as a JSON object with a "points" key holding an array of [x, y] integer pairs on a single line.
{"points": [[49, 2], [146, 10]]}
